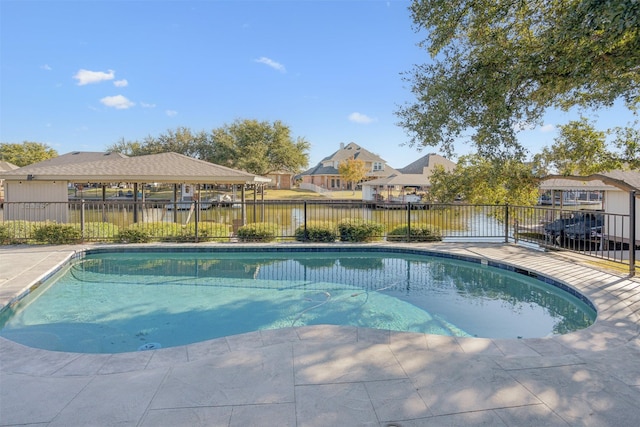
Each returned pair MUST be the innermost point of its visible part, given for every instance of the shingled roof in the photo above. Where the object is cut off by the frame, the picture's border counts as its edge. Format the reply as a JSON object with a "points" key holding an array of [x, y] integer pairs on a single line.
{"points": [[351, 150], [427, 164], [163, 167], [624, 180]]}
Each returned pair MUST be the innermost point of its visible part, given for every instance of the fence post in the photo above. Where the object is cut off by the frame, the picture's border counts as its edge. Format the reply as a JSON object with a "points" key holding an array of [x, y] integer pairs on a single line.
{"points": [[408, 221], [197, 202], [506, 222], [632, 233], [304, 220], [82, 218]]}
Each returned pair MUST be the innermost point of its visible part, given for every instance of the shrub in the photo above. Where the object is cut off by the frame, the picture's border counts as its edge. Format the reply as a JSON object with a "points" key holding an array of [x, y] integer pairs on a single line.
{"points": [[417, 233], [358, 230], [212, 231], [133, 235], [19, 230], [57, 234], [5, 237], [258, 232], [99, 231], [317, 232]]}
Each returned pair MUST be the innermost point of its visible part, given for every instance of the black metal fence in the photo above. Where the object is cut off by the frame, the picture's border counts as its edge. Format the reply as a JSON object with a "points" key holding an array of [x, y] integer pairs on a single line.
{"points": [[593, 233]]}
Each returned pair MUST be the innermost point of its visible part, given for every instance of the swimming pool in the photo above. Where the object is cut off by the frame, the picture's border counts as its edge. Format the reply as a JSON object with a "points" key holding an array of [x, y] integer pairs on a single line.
{"points": [[125, 300]]}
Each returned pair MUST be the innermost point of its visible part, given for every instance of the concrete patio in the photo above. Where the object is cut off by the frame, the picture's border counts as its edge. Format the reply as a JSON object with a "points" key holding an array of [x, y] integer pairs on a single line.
{"points": [[340, 376]]}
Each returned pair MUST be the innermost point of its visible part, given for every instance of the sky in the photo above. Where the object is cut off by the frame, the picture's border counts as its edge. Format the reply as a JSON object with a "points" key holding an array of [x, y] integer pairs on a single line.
{"points": [[83, 75]]}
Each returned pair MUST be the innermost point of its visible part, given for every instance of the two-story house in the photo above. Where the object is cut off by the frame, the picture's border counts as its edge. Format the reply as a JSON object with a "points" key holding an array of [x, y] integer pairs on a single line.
{"points": [[325, 174]]}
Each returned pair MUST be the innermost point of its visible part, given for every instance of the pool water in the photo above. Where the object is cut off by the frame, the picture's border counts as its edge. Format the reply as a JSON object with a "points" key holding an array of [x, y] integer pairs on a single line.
{"points": [[129, 301]]}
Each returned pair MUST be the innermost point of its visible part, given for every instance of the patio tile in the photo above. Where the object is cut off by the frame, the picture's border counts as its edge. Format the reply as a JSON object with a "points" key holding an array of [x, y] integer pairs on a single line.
{"points": [[319, 363], [583, 396], [122, 399], [245, 377], [204, 349], [165, 357], [25, 399], [395, 400], [465, 419], [334, 405], [194, 417], [530, 415], [457, 384], [279, 414]]}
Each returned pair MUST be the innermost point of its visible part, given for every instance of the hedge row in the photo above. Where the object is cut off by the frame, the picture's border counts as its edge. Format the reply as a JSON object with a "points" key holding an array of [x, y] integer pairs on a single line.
{"points": [[349, 230]]}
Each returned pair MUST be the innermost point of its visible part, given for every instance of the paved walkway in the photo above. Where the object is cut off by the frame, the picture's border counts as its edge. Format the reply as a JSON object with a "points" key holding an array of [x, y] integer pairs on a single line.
{"points": [[340, 376]]}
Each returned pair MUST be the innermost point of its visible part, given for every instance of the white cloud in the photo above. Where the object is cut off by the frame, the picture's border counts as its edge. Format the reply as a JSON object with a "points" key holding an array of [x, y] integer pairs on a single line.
{"points": [[46, 67], [171, 113], [145, 105], [85, 77], [360, 118], [547, 128], [118, 102], [121, 83], [271, 63]]}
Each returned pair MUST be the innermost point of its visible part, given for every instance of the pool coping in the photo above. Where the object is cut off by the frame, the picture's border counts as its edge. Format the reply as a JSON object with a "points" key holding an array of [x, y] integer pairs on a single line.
{"points": [[607, 348]]}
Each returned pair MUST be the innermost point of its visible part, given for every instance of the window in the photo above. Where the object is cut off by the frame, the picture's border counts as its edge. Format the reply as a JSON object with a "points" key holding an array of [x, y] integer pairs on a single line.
{"points": [[378, 166]]}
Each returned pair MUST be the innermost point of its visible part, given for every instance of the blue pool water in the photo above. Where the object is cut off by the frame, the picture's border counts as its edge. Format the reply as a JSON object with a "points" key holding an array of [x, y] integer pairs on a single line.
{"points": [[115, 302]]}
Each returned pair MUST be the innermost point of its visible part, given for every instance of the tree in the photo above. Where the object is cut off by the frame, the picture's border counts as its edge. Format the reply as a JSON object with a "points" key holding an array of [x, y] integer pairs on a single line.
{"points": [[249, 145], [352, 170], [257, 147], [497, 65], [627, 140], [579, 149], [181, 140], [26, 153], [128, 148], [481, 181]]}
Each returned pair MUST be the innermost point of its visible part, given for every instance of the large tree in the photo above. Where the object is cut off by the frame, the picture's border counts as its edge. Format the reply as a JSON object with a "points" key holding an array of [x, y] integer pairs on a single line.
{"points": [[257, 147], [579, 149], [26, 153], [182, 140], [478, 180], [498, 65], [249, 145]]}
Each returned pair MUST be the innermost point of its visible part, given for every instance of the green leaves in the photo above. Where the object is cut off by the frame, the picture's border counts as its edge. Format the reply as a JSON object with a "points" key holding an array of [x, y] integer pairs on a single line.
{"points": [[497, 65], [249, 145], [26, 153]]}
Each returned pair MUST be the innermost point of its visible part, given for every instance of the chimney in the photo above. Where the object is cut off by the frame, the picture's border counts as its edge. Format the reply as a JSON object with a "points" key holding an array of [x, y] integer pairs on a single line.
{"points": [[342, 145]]}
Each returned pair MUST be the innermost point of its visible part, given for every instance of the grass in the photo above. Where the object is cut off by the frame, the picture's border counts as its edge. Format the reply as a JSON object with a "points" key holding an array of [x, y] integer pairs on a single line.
{"points": [[270, 194]]}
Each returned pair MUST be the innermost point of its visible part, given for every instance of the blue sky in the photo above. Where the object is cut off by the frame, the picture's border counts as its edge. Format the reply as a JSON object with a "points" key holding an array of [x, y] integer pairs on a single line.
{"points": [[81, 75]]}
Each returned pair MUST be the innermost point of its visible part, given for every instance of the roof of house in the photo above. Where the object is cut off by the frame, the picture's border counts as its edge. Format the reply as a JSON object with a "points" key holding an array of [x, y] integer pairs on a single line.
{"points": [[6, 166], [624, 180], [405, 180], [427, 163], [351, 150], [163, 167]]}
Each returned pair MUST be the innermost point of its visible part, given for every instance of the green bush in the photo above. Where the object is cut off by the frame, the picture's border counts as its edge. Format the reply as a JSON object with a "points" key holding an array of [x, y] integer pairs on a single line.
{"points": [[212, 231], [99, 231], [317, 231], [417, 233], [57, 234], [358, 230], [5, 237], [133, 235], [19, 231], [258, 232]]}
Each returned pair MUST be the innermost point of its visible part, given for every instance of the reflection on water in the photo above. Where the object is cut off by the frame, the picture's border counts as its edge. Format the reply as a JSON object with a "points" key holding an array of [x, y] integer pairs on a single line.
{"points": [[116, 300]]}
